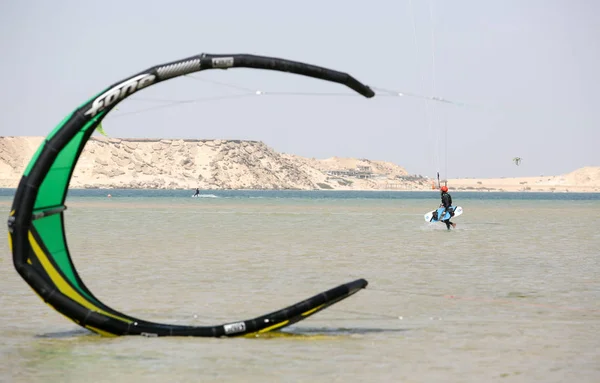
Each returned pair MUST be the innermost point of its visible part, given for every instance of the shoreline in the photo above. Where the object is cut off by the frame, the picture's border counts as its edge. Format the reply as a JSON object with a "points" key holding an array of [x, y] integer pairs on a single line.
{"points": [[208, 191], [207, 164]]}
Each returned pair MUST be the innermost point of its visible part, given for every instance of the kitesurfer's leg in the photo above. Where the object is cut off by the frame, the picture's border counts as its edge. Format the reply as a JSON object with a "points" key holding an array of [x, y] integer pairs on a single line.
{"points": [[447, 222]]}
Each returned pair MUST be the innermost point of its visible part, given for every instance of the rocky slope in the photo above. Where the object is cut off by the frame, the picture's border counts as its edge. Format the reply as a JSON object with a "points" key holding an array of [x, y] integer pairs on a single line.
{"points": [[207, 164], [234, 164]]}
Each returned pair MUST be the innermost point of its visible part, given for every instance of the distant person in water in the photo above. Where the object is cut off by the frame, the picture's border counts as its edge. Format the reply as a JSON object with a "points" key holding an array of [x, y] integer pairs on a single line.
{"points": [[447, 205], [197, 192]]}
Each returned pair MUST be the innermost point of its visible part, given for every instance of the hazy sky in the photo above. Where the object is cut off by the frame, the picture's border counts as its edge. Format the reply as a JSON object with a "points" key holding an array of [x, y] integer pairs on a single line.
{"points": [[525, 70]]}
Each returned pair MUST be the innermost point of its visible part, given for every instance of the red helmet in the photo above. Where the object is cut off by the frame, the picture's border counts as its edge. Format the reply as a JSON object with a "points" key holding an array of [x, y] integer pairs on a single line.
{"points": [[444, 189]]}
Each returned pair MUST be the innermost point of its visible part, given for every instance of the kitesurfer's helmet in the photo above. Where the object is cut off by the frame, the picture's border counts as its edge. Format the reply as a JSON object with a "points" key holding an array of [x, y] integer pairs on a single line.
{"points": [[444, 189]]}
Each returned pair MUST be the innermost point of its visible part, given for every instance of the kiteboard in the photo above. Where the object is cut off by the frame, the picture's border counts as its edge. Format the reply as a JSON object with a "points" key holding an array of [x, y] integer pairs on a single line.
{"points": [[434, 215], [204, 196]]}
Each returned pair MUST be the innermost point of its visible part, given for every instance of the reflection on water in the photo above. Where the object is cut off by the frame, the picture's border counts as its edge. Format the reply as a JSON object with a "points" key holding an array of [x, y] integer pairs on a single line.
{"points": [[512, 294]]}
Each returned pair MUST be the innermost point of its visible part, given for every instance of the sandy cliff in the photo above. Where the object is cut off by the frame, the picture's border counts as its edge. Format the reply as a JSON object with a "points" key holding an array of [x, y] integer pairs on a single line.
{"points": [[234, 164], [207, 164]]}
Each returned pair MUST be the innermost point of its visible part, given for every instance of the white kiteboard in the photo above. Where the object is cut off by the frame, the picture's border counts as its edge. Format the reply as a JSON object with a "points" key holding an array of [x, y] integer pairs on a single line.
{"points": [[429, 216]]}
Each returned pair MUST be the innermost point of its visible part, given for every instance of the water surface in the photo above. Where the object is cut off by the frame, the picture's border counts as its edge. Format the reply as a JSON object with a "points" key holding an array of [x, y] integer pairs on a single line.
{"points": [[511, 295]]}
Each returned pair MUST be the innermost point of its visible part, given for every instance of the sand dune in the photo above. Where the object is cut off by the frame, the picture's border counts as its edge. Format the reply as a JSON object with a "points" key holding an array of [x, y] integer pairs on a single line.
{"points": [[585, 179], [235, 164], [207, 164]]}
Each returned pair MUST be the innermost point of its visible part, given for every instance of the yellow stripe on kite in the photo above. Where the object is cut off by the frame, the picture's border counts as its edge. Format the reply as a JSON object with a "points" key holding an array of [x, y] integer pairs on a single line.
{"points": [[63, 285], [10, 236], [267, 329], [275, 326], [281, 324], [311, 311], [101, 332]]}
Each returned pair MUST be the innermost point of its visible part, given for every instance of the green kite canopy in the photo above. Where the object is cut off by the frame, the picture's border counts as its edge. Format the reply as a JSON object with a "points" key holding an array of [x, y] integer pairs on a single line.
{"points": [[36, 222]]}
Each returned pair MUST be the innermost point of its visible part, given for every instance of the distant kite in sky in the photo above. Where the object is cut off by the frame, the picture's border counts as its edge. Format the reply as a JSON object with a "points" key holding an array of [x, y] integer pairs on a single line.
{"points": [[517, 161]]}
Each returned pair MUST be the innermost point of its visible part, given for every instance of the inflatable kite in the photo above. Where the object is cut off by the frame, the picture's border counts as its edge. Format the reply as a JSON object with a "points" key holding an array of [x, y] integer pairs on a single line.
{"points": [[36, 222]]}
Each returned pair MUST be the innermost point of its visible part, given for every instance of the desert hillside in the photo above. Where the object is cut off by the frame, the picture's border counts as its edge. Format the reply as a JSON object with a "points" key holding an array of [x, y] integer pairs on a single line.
{"points": [[585, 179], [235, 164], [206, 164]]}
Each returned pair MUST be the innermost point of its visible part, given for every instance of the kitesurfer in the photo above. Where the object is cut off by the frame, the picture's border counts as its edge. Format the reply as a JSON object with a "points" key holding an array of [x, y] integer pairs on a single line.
{"points": [[447, 204], [197, 192]]}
